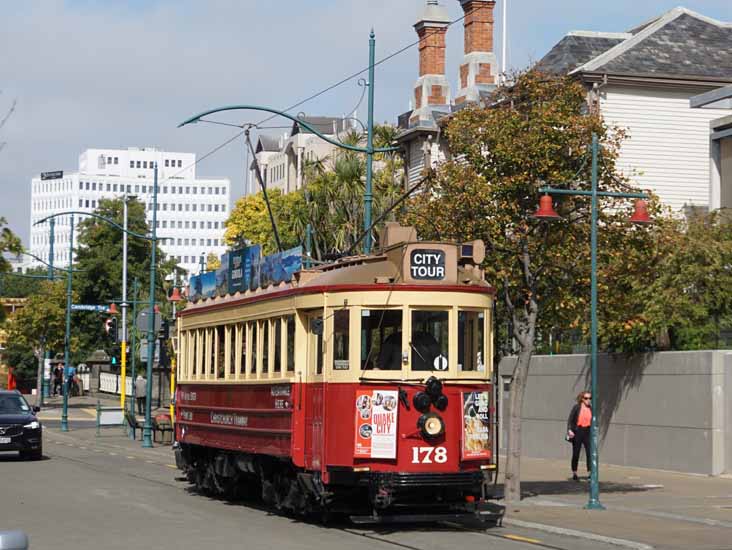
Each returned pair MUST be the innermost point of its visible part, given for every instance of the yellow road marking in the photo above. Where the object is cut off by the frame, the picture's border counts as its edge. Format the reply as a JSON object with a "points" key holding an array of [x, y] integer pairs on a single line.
{"points": [[522, 539], [131, 457], [172, 466]]}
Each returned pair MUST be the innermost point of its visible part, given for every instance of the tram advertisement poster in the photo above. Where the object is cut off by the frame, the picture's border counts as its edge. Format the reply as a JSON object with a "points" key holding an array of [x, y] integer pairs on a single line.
{"points": [[202, 286], [476, 425], [222, 276], [241, 276], [280, 267], [376, 424]]}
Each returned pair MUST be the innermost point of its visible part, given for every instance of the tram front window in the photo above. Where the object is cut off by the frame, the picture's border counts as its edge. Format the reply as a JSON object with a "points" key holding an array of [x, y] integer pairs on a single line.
{"points": [[430, 333], [381, 339], [471, 331]]}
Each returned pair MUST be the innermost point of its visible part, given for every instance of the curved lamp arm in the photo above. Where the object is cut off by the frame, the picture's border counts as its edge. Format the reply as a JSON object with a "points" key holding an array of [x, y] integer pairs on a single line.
{"points": [[92, 214], [292, 118]]}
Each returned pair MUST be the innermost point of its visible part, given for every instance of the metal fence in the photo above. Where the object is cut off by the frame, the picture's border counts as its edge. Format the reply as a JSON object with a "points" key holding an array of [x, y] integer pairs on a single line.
{"points": [[110, 383]]}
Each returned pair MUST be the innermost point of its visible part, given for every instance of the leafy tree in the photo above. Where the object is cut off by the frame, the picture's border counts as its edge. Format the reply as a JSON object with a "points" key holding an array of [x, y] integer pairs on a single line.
{"points": [[9, 242], [212, 261], [15, 286], [99, 265], [537, 133], [37, 327]]}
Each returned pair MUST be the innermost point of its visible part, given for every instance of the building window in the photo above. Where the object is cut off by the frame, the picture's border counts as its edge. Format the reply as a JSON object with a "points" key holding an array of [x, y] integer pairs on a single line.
{"points": [[132, 164], [216, 190], [109, 187], [180, 164], [188, 190], [81, 203], [94, 186], [180, 225], [195, 190], [180, 207], [216, 242], [216, 207], [137, 188], [194, 207], [165, 206], [114, 188], [144, 164], [81, 185], [210, 207], [180, 242], [209, 242], [86, 203], [193, 224], [186, 242], [167, 163], [129, 189], [165, 224], [188, 207], [180, 190], [144, 188], [139, 164], [188, 225], [116, 160], [186, 259]]}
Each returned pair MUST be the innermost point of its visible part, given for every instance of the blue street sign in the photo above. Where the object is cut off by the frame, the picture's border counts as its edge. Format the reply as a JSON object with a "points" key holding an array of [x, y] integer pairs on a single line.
{"points": [[84, 307]]}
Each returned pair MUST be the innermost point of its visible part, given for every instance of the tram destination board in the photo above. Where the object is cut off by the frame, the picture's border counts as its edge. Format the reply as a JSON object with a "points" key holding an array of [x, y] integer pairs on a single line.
{"points": [[427, 264]]}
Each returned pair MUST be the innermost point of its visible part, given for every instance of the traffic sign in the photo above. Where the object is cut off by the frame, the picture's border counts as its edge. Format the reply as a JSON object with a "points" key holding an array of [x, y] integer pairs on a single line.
{"points": [[86, 307], [143, 320]]}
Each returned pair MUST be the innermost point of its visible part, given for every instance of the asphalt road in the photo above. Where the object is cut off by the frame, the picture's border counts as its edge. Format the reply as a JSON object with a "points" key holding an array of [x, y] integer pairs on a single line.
{"points": [[91, 493]]}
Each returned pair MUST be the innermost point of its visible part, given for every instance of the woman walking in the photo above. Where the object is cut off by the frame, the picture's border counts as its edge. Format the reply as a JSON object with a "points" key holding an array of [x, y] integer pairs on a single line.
{"points": [[578, 430]]}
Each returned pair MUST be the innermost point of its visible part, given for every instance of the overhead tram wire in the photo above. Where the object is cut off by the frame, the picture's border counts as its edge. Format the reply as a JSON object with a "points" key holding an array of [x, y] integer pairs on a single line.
{"points": [[310, 98]]}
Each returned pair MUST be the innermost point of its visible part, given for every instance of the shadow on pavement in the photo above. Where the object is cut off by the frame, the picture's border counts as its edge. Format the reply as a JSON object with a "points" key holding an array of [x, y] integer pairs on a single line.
{"points": [[569, 487]]}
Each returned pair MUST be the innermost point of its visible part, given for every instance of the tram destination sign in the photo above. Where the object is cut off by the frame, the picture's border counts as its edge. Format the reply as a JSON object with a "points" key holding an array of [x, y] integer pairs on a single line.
{"points": [[427, 264]]}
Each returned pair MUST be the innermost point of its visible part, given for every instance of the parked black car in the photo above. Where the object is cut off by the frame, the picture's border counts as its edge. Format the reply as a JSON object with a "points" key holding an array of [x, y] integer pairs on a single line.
{"points": [[20, 429]]}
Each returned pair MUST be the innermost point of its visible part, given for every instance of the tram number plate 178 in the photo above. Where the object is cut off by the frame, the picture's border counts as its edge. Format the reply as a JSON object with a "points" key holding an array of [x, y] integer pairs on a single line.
{"points": [[428, 455]]}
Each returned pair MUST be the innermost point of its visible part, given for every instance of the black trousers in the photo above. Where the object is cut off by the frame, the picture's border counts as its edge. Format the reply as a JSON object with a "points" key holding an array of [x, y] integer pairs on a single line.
{"points": [[581, 437], [141, 407]]}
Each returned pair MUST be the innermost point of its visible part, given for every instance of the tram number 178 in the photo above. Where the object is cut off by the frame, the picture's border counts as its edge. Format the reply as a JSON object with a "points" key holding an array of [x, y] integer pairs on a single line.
{"points": [[428, 455]]}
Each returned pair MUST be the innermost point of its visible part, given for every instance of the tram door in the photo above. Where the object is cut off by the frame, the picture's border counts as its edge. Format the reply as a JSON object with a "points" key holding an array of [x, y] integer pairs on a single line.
{"points": [[314, 417]]}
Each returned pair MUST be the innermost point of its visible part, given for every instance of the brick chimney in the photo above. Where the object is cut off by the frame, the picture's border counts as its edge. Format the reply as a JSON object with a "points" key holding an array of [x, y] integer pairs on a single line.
{"points": [[432, 88], [477, 72]]}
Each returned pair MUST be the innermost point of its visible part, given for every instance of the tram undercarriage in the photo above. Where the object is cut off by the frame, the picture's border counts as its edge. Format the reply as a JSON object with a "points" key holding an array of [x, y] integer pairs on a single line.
{"points": [[363, 496]]}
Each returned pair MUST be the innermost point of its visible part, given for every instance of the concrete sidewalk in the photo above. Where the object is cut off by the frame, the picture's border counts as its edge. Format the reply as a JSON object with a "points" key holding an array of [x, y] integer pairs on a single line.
{"points": [[84, 407], [657, 508]]}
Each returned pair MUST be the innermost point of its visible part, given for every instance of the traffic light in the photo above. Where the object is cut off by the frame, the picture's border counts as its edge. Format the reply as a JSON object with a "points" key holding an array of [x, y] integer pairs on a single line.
{"points": [[110, 327], [165, 329]]}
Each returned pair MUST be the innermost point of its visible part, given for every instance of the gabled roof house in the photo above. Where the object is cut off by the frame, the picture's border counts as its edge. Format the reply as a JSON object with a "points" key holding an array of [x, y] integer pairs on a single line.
{"points": [[642, 80]]}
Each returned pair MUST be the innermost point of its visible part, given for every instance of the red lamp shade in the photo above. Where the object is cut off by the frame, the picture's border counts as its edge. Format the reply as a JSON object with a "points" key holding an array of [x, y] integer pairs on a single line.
{"points": [[113, 309], [175, 295], [640, 216], [546, 209]]}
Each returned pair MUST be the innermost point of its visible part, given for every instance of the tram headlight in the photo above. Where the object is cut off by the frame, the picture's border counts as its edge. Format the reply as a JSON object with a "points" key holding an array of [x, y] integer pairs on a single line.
{"points": [[431, 425], [421, 401]]}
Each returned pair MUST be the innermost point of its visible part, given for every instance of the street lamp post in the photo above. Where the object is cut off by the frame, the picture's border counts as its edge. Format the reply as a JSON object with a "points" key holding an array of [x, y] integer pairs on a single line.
{"points": [[147, 427], [67, 334], [546, 212], [45, 384]]}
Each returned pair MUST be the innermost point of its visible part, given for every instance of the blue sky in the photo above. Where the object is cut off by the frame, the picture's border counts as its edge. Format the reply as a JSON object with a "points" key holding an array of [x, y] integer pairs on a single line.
{"points": [[119, 74]]}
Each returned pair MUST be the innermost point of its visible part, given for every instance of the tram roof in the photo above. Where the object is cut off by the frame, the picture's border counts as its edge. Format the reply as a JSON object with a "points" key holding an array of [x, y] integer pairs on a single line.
{"points": [[391, 268]]}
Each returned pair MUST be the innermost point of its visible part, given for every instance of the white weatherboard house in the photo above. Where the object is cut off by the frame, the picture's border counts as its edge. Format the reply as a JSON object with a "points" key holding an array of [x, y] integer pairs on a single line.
{"points": [[642, 80]]}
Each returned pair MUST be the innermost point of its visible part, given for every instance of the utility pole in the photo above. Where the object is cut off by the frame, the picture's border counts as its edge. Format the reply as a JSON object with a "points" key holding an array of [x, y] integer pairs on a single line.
{"points": [[368, 194], [135, 295], [123, 359], [45, 382], [147, 427]]}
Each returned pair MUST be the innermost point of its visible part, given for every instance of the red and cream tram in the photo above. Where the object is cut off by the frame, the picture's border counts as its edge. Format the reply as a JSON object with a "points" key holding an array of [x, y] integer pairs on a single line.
{"points": [[362, 386]]}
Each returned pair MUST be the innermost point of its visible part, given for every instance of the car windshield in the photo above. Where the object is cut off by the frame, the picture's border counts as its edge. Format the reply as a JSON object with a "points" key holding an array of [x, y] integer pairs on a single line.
{"points": [[13, 404]]}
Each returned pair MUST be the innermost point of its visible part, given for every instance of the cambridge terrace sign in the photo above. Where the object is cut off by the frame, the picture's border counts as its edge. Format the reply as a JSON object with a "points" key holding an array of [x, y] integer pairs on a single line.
{"points": [[427, 264]]}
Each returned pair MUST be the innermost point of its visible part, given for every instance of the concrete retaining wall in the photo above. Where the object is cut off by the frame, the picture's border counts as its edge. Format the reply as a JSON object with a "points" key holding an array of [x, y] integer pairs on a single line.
{"points": [[669, 410]]}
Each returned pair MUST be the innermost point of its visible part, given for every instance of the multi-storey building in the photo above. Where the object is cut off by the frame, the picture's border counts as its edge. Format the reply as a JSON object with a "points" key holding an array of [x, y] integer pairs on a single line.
{"points": [[282, 159], [190, 215]]}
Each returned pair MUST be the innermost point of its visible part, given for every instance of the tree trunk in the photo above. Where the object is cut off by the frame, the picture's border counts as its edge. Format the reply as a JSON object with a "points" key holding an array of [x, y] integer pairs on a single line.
{"points": [[512, 484]]}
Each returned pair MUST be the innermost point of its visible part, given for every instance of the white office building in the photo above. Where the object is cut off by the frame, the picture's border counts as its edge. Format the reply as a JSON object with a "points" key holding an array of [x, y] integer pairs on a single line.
{"points": [[190, 215]]}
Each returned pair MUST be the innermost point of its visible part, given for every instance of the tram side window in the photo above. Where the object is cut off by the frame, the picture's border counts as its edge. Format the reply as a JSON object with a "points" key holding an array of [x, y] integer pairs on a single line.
{"points": [[429, 340], [243, 337], [319, 348], [253, 344], [231, 340], [471, 331], [340, 339], [210, 352], [265, 346], [194, 353], [290, 343], [220, 351], [277, 345], [381, 339]]}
